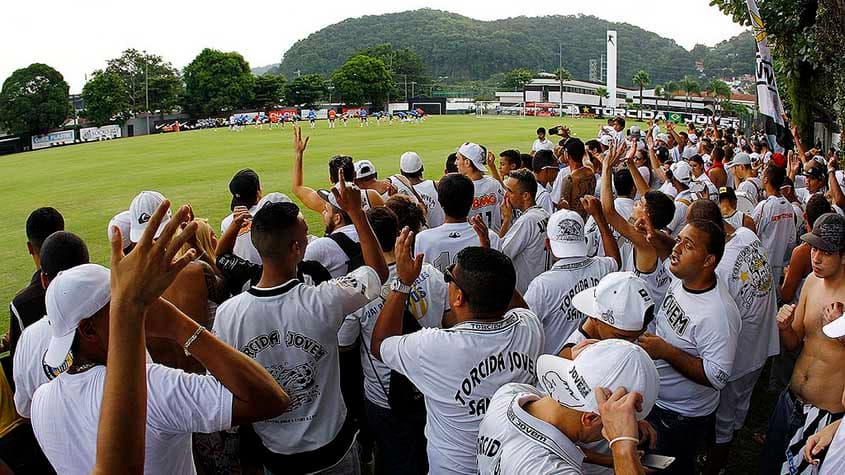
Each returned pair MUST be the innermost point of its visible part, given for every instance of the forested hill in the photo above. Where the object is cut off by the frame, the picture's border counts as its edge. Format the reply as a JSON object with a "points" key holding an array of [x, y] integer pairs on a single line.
{"points": [[463, 48]]}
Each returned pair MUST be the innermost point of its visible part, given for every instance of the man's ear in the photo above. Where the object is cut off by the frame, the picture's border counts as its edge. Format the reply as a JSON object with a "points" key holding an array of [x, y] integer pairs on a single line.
{"points": [[30, 248], [590, 420], [44, 280], [548, 245]]}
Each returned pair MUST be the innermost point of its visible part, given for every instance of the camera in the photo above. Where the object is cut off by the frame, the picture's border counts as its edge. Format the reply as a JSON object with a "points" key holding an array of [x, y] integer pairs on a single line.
{"points": [[554, 130]]}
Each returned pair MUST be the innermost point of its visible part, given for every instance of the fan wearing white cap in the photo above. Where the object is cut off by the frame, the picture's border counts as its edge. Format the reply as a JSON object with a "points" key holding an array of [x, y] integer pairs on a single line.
{"points": [[694, 345], [531, 429], [550, 294], [141, 209], [619, 307], [411, 166], [178, 403], [123, 221], [745, 178], [489, 193]]}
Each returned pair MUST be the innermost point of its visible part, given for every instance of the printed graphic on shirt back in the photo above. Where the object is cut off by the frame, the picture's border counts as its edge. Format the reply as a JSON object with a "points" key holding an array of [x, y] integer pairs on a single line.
{"points": [[752, 269]]}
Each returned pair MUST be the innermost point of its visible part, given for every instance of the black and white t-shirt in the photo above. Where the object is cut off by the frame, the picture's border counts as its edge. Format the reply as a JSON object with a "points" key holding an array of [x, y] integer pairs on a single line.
{"points": [[428, 193], [525, 244], [178, 404], [775, 220], [458, 370], [291, 330], [745, 270], [550, 296], [706, 325], [442, 244], [512, 441]]}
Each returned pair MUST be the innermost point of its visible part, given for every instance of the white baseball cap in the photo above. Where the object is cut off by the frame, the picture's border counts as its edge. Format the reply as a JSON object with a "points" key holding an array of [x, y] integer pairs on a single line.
{"points": [[141, 210], [606, 140], [474, 153], [681, 171], [610, 364], [74, 295], [566, 234], [410, 162], [364, 169], [274, 197], [123, 222], [741, 158], [836, 328], [663, 137], [621, 300]]}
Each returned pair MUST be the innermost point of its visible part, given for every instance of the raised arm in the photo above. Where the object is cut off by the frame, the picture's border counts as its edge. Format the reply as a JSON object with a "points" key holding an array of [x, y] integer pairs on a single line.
{"points": [[349, 199], [639, 181], [614, 219], [306, 195], [833, 184], [611, 247], [226, 244], [656, 167]]}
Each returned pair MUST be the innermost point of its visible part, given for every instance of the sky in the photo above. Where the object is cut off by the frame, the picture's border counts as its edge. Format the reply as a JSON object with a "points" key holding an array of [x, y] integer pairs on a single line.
{"points": [[78, 37]]}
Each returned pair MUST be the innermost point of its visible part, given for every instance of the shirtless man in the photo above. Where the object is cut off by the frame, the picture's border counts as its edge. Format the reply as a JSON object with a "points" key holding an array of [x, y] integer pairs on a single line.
{"points": [[812, 400]]}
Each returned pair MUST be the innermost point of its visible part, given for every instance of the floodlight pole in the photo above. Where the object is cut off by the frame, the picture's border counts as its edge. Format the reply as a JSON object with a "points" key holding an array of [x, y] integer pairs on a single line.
{"points": [[560, 77], [147, 87]]}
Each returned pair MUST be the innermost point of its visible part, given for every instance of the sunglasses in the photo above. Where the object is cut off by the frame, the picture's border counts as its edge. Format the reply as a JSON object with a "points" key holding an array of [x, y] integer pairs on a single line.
{"points": [[449, 276]]}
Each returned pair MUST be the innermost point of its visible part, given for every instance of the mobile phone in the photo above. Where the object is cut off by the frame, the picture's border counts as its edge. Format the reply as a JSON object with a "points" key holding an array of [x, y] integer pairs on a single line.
{"points": [[658, 462]]}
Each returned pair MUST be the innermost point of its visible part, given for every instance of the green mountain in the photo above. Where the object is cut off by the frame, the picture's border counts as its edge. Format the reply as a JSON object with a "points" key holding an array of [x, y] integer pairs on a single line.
{"points": [[463, 48]]}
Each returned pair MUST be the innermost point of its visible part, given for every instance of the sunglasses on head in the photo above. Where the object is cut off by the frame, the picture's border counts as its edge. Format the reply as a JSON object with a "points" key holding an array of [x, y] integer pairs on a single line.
{"points": [[449, 276]]}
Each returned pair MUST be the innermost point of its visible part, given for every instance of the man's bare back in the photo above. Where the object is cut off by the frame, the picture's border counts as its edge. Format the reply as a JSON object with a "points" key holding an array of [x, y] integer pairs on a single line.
{"points": [[819, 375]]}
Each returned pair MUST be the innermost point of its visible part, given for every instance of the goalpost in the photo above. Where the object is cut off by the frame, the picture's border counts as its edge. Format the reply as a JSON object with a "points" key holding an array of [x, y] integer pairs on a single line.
{"points": [[488, 109], [428, 107]]}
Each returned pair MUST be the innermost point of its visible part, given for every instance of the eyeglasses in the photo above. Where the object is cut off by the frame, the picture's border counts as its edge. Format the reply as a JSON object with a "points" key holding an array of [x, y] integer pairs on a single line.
{"points": [[449, 276]]}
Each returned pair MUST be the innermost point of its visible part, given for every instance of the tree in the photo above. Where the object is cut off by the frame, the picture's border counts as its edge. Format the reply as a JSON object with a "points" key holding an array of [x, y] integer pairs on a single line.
{"points": [[517, 79], [562, 74], [718, 90], [404, 63], [363, 79], [269, 91], [106, 99], [690, 85], [306, 90], [217, 82], [602, 92], [143, 73], [641, 79], [669, 88], [33, 100], [805, 38]]}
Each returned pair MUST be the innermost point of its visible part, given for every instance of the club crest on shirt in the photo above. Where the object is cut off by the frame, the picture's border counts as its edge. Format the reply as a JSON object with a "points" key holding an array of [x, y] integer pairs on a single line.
{"points": [[754, 274], [298, 381], [569, 230]]}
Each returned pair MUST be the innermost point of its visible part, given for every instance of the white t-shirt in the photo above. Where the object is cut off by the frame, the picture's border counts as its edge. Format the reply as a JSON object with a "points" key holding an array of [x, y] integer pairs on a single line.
{"points": [[669, 189], [525, 244], [512, 441], [291, 330], [442, 244], [657, 281], [705, 325], [679, 218], [327, 252], [488, 197], [402, 188], [712, 191], [735, 219], [550, 295], [426, 302], [543, 199], [775, 220], [428, 193], [29, 372], [745, 270], [458, 370], [66, 414], [625, 207], [752, 188], [544, 144]]}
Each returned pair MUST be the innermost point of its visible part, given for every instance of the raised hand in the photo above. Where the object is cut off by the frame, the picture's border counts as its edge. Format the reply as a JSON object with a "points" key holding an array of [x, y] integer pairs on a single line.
{"points": [[240, 216], [298, 144], [349, 198], [653, 345], [491, 160], [141, 276], [480, 228], [507, 210], [832, 312], [785, 316], [618, 411], [408, 266], [592, 205]]}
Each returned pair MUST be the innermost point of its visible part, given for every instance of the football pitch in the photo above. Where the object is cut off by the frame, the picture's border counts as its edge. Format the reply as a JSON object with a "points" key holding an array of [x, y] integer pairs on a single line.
{"points": [[90, 183]]}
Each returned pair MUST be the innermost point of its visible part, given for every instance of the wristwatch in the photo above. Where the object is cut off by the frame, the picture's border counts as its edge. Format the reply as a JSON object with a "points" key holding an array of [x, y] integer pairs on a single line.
{"points": [[397, 285]]}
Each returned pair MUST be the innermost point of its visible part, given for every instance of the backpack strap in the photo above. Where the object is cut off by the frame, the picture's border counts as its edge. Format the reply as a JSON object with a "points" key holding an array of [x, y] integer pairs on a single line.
{"points": [[349, 247]]}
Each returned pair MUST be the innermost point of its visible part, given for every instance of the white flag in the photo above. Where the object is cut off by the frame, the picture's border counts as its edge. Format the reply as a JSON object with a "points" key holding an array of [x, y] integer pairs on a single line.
{"points": [[767, 88]]}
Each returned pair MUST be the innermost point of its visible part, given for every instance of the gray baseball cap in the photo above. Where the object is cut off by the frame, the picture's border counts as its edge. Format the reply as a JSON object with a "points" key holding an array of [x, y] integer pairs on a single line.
{"points": [[828, 233]]}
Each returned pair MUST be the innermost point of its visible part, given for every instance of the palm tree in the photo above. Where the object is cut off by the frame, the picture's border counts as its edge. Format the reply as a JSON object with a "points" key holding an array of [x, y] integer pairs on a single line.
{"points": [[718, 89], [641, 79], [602, 93], [562, 74], [690, 85], [669, 88]]}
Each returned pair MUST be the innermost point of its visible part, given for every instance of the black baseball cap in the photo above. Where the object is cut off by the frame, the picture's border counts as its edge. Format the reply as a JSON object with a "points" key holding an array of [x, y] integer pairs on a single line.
{"points": [[244, 187], [814, 171], [726, 193], [828, 233]]}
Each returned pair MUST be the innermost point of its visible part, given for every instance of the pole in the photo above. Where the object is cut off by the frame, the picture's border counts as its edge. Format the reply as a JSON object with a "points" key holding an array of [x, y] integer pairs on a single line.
{"points": [[560, 76], [406, 87], [147, 87]]}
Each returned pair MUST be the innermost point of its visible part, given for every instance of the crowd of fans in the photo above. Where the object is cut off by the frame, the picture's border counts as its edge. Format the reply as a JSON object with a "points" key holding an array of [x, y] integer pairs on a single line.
{"points": [[587, 307]]}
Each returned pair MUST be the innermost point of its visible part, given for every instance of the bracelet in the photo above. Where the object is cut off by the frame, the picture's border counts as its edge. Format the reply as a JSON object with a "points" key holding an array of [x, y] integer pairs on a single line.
{"points": [[190, 341], [624, 437]]}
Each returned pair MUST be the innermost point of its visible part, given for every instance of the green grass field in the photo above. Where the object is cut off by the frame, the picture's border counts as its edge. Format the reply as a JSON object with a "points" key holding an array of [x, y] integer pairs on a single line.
{"points": [[89, 183], [92, 182]]}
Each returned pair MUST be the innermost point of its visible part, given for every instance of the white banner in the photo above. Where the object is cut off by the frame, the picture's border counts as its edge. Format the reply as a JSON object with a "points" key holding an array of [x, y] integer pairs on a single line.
{"points": [[53, 138], [667, 116], [106, 132], [767, 88], [612, 44]]}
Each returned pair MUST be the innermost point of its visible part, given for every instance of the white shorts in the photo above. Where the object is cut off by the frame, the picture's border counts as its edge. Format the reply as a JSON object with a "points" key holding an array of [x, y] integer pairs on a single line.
{"points": [[734, 400]]}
